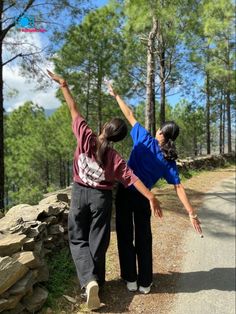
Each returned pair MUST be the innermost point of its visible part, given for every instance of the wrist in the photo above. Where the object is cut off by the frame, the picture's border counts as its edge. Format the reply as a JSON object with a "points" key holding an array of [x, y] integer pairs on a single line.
{"points": [[150, 196], [192, 215], [63, 83]]}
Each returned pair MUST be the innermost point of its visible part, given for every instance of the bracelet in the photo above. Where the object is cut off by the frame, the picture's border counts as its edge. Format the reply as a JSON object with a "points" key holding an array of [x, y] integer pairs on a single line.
{"points": [[63, 84], [193, 216]]}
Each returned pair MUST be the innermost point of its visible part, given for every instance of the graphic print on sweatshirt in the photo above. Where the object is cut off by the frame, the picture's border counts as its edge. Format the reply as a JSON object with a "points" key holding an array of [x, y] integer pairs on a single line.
{"points": [[89, 171]]}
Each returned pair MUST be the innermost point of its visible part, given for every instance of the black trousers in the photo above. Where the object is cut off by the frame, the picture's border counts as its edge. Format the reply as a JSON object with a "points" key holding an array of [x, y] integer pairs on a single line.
{"points": [[89, 231], [134, 237]]}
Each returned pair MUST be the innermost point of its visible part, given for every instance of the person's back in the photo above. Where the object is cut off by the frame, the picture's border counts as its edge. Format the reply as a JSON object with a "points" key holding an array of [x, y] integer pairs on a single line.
{"points": [[153, 165], [151, 159], [96, 167]]}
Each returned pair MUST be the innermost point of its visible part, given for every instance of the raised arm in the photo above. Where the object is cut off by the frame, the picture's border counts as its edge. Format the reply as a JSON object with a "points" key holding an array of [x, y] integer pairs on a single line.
{"points": [[67, 94], [188, 207], [124, 108]]}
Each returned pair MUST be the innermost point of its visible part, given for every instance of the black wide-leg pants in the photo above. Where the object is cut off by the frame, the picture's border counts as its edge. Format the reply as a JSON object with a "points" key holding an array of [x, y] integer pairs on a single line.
{"points": [[89, 231], [134, 237]]}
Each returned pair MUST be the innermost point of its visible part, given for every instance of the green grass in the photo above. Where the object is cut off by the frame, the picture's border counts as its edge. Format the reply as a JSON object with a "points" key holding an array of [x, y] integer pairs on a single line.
{"points": [[61, 270]]}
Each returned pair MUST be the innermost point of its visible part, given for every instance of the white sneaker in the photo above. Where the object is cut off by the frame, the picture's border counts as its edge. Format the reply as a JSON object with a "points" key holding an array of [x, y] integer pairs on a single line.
{"points": [[93, 301], [132, 286], [145, 290]]}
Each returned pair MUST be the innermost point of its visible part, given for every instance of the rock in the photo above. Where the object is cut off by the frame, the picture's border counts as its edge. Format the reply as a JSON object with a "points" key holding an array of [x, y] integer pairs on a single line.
{"points": [[25, 284], [49, 243], [29, 244], [35, 301], [34, 231], [53, 209], [59, 197], [1, 215], [43, 273], [11, 302], [24, 212], [10, 272], [3, 304], [50, 220], [28, 259], [11, 243], [38, 249], [55, 229], [25, 227], [17, 310], [70, 299]]}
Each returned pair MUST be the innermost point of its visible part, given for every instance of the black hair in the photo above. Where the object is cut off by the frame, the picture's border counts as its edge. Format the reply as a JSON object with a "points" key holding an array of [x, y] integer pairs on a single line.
{"points": [[113, 131], [170, 131]]}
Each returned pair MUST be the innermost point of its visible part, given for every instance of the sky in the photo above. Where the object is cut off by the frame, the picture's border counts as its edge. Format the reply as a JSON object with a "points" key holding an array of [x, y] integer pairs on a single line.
{"points": [[18, 89]]}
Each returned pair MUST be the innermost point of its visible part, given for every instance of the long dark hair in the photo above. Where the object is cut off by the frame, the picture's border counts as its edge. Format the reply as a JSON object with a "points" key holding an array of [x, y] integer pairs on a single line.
{"points": [[170, 131], [113, 131]]}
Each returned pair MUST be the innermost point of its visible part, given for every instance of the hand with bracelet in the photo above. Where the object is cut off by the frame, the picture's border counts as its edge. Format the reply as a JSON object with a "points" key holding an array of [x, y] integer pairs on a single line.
{"points": [[196, 223], [57, 79]]}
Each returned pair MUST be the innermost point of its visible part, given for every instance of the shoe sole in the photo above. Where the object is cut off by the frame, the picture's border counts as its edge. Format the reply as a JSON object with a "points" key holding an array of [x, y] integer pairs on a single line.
{"points": [[93, 301]]}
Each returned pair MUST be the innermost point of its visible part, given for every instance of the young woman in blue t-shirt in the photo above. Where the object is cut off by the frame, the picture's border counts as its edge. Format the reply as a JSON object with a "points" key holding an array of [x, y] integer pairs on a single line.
{"points": [[151, 158]]}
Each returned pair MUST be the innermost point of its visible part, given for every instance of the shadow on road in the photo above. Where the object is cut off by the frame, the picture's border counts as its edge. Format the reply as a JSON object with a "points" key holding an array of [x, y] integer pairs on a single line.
{"points": [[176, 282], [116, 297]]}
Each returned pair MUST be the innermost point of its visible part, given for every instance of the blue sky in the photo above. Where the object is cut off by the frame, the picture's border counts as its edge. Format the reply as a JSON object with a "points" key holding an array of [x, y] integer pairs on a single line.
{"points": [[13, 79]]}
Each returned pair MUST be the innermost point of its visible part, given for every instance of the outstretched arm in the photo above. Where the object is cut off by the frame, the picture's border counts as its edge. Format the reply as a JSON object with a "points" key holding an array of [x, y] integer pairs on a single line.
{"points": [[184, 200], [67, 94], [124, 108], [154, 204]]}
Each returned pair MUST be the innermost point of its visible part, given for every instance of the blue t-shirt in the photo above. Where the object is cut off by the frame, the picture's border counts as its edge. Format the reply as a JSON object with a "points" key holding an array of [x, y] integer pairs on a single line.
{"points": [[147, 160]]}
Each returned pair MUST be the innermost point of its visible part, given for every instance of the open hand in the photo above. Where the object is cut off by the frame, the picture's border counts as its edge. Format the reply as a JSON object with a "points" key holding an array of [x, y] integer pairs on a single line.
{"points": [[56, 77], [196, 225], [155, 208], [111, 90]]}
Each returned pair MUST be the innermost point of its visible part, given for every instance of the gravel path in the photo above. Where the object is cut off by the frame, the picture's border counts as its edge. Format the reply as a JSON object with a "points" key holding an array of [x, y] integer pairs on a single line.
{"points": [[207, 278]]}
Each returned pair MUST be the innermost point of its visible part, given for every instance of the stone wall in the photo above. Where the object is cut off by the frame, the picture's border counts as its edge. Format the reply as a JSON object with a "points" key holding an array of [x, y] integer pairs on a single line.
{"points": [[206, 162], [28, 234]]}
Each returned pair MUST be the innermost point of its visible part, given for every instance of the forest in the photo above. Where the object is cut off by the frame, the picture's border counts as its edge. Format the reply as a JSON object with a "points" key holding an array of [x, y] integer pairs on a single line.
{"points": [[151, 50]]}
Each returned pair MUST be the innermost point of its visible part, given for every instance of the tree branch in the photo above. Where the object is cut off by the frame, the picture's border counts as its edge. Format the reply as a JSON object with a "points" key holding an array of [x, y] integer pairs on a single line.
{"points": [[5, 31], [22, 56], [13, 58], [11, 5]]}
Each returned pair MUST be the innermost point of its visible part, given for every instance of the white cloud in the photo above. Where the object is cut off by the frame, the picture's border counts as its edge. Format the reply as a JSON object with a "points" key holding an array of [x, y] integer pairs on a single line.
{"points": [[26, 90]]}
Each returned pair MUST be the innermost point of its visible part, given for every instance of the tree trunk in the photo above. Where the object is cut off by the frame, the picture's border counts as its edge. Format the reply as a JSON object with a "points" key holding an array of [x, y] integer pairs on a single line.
{"points": [[163, 88], [228, 121], [1, 120], [99, 91], [223, 131], [221, 126], [150, 89], [88, 93], [208, 133], [195, 138], [228, 102], [68, 173]]}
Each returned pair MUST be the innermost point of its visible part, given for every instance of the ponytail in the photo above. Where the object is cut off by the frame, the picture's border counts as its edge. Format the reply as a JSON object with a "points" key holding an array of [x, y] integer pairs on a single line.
{"points": [[169, 150], [113, 131], [170, 131], [101, 151]]}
